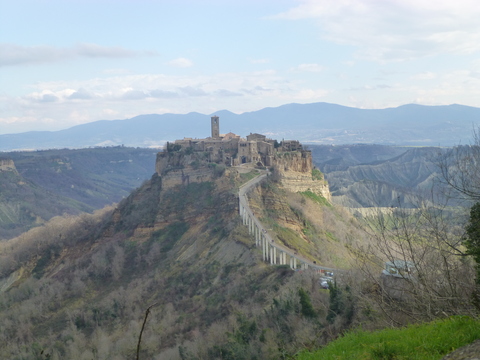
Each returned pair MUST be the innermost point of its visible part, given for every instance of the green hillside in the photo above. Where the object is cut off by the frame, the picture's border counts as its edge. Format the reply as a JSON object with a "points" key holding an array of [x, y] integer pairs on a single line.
{"points": [[24, 204], [94, 176], [44, 184]]}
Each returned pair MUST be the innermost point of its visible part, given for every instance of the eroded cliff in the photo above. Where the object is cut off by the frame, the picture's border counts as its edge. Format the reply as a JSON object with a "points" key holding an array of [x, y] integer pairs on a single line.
{"points": [[7, 165], [295, 171]]}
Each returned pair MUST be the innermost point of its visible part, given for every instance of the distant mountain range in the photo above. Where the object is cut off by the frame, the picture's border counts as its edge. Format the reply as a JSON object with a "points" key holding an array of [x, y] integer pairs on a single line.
{"points": [[319, 123]]}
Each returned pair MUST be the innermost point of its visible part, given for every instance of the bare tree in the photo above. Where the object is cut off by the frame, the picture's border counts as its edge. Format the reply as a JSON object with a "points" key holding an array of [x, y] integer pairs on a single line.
{"points": [[459, 168], [147, 312], [416, 266]]}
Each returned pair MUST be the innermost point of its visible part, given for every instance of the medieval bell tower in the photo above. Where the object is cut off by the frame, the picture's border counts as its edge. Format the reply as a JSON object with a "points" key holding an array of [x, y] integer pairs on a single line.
{"points": [[215, 127]]}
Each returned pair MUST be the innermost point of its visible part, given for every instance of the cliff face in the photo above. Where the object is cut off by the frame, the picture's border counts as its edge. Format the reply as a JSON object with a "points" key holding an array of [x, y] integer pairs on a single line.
{"points": [[7, 165], [293, 169], [180, 168], [296, 173]]}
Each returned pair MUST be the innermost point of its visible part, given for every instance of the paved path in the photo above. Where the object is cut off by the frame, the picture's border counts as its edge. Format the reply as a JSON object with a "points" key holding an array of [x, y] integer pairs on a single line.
{"points": [[243, 200]]}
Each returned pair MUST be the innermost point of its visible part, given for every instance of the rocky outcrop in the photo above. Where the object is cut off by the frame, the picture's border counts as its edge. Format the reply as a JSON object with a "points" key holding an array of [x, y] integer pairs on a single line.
{"points": [[180, 168], [7, 165], [295, 171]]}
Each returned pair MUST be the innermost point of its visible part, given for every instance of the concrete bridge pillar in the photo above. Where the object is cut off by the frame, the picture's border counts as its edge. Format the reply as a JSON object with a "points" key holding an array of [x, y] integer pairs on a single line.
{"points": [[271, 253], [264, 248], [274, 254]]}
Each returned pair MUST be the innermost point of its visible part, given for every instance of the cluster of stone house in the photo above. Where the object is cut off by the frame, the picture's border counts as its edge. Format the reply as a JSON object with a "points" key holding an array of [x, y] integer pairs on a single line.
{"points": [[233, 150]]}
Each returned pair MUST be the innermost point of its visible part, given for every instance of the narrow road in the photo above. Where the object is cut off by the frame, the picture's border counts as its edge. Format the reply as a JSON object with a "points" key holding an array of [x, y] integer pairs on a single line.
{"points": [[242, 194]]}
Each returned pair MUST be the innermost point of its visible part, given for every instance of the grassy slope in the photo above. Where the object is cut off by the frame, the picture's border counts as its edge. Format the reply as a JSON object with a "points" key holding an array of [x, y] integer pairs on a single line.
{"points": [[430, 341], [308, 224]]}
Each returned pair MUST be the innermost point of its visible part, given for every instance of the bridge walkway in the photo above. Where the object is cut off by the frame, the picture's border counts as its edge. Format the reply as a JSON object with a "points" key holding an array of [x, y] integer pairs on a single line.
{"points": [[272, 252]]}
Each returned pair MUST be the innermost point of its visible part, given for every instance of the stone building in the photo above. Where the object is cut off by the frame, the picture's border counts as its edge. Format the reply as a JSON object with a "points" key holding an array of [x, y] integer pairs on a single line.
{"points": [[231, 149], [198, 160]]}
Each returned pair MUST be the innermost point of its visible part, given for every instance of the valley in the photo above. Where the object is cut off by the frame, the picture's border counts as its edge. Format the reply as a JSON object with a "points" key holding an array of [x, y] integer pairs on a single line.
{"points": [[39, 185], [227, 259]]}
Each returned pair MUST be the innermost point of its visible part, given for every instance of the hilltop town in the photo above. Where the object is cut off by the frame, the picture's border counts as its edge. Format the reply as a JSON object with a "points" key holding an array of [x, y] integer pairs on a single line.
{"points": [[199, 160], [232, 150]]}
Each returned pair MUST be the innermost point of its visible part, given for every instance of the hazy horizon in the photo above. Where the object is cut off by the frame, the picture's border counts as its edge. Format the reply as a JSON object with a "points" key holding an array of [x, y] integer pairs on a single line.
{"points": [[69, 63]]}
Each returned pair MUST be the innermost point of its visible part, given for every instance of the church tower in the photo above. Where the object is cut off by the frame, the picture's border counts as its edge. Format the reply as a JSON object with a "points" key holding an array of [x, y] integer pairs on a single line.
{"points": [[215, 127]]}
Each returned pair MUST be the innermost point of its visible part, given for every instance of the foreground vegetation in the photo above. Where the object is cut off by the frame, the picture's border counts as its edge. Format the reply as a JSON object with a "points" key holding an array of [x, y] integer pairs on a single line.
{"points": [[428, 341], [78, 287]]}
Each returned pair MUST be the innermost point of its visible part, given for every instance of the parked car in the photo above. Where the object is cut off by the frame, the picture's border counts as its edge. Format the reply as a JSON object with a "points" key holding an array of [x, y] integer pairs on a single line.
{"points": [[325, 282]]}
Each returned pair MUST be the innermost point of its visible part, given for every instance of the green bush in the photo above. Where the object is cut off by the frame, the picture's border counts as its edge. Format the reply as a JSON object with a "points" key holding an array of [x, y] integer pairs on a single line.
{"points": [[317, 198], [307, 309], [317, 174]]}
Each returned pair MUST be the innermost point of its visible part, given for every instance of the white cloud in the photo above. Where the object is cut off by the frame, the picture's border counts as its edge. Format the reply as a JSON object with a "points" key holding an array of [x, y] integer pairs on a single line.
{"points": [[94, 50], [310, 67], [427, 75], [193, 91], [134, 95], [181, 63], [395, 29], [74, 102], [12, 54], [370, 87], [80, 94], [259, 61], [116, 71], [223, 92], [17, 119], [310, 95]]}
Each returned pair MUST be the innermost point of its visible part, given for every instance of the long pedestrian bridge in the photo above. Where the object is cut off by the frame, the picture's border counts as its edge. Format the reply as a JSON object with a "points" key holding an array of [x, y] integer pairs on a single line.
{"points": [[272, 252]]}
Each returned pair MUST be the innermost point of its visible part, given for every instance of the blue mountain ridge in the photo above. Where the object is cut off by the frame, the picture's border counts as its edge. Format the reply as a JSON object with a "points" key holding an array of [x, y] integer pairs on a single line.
{"points": [[320, 123]]}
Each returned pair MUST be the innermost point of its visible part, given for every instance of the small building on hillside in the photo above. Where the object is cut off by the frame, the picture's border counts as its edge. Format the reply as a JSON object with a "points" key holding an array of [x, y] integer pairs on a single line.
{"points": [[398, 279], [399, 268]]}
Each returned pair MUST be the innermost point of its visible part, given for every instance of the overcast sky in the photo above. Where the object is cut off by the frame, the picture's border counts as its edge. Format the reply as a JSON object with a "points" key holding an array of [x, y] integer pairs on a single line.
{"points": [[68, 62]]}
